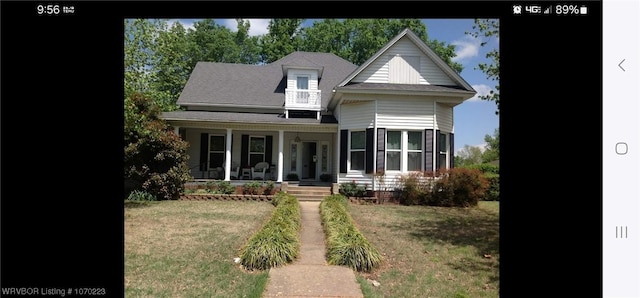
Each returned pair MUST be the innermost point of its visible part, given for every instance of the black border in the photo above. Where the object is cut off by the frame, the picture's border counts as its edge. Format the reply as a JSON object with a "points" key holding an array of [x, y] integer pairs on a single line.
{"points": [[62, 217]]}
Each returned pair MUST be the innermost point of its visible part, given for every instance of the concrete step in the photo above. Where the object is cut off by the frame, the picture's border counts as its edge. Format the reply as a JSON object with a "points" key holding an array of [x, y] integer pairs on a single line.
{"points": [[314, 198], [309, 193]]}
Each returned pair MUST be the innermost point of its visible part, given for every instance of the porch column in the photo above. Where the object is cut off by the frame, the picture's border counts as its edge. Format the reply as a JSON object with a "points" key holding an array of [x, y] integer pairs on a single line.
{"points": [[176, 130], [227, 156], [280, 154]]}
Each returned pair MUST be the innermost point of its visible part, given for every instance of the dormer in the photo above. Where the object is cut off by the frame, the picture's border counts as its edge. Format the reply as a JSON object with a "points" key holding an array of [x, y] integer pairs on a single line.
{"points": [[302, 96]]}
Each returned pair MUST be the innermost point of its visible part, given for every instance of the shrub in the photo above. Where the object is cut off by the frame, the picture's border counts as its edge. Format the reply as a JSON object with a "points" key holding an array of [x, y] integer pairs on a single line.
{"points": [[325, 177], [292, 177], [492, 173], [459, 187], [493, 191], [225, 187], [269, 187], [252, 188], [278, 241], [141, 195], [485, 168], [346, 246], [415, 189], [155, 158], [352, 189]]}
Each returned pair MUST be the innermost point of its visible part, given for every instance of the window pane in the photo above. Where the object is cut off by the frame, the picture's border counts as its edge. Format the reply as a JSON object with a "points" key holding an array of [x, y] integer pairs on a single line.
{"points": [[443, 161], [393, 161], [294, 157], [442, 142], [357, 140], [215, 160], [255, 158], [393, 140], [256, 145], [357, 160], [303, 83], [216, 143], [414, 161], [325, 158], [415, 140]]}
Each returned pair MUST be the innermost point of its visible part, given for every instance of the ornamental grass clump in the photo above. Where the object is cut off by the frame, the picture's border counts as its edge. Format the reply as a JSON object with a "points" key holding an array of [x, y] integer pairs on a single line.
{"points": [[346, 246], [278, 241]]}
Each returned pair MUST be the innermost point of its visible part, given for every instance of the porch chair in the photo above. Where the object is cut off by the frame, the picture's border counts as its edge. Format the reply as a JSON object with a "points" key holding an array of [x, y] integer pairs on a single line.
{"points": [[235, 172], [216, 173], [259, 170]]}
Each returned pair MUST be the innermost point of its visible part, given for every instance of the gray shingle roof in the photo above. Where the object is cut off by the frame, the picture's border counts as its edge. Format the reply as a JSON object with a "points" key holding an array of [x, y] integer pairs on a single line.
{"points": [[259, 85]]}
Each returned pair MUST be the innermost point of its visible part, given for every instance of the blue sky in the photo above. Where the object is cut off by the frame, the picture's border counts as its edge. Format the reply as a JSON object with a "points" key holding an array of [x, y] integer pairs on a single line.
{"points": [[474, 118]]}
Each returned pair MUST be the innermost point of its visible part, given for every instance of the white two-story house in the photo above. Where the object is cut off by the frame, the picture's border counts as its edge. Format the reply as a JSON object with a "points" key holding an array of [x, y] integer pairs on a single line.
{"points": [[317, 115]]}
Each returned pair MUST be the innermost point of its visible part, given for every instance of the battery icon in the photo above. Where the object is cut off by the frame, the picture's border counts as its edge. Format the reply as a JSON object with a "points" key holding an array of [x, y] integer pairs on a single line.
{"points": [[583, 10]]}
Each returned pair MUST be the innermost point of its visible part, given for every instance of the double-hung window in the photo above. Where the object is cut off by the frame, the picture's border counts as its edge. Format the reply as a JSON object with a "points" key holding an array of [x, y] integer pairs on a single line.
{"points": [[216, 151], [404, 150], [414, 151], [442, 150], [256, 150], [357, 149], [394, 150]]}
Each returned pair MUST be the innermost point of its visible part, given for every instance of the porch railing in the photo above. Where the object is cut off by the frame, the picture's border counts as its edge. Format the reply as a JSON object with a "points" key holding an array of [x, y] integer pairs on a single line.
{"points": [[296, 99]]}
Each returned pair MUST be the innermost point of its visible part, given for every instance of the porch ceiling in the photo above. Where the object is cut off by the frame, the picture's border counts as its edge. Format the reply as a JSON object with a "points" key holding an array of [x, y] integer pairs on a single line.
{"points": [[253, 121]]}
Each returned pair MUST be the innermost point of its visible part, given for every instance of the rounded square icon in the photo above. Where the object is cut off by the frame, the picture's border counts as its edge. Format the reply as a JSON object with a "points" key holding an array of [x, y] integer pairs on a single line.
{"points": [[621, 148]]}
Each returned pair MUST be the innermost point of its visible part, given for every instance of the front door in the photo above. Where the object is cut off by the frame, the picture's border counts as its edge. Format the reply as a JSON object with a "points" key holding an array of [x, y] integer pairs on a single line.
{"points": [[309, 160]]}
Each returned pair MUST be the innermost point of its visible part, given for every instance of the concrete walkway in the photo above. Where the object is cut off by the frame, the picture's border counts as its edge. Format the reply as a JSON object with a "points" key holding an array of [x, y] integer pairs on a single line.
{"points": [[310, 275]]}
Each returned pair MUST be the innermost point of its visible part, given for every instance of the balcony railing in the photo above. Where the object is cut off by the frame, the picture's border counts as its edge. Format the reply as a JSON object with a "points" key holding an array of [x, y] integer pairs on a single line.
{"points": [[296, 99]]}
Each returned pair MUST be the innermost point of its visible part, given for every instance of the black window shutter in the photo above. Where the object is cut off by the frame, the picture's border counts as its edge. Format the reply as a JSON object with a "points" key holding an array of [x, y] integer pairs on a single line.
{"points": [[268, 149], [204, 150], [438, 165], [451, 151], [428, 150], [344, 134], [368, 164], [244, 151], [381, 145]]}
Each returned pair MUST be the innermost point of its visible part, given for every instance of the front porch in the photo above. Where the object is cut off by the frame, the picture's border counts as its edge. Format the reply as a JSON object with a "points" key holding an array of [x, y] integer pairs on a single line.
{"points": [[235, 152]]}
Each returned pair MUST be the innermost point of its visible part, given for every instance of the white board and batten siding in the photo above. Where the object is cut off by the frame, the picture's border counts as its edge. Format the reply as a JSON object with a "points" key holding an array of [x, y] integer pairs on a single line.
{"points": [[404, 63]]}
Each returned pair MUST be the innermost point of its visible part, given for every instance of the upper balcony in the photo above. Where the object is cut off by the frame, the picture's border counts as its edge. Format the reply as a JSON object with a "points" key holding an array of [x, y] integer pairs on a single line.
{"points": [[300, 99]]}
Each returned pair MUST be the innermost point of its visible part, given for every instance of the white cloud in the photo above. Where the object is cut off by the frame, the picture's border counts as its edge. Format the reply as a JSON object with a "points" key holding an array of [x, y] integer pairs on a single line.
{"points": [[185, 23], [258, 26], [482, 90], [468, 47]]}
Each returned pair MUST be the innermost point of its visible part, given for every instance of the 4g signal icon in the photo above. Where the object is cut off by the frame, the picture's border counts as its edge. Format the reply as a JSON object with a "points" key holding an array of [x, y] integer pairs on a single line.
{"points": [[533, 9]]}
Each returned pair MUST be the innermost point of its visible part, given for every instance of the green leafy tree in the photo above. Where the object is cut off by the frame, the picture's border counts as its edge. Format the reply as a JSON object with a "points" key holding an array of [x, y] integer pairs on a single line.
{"points": [[356, 40], [282, 39], [487, 29], [212, 42], [155, 158], [248, 46], [492, 151], [140, 37], [468, 155], [173, 65]]}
